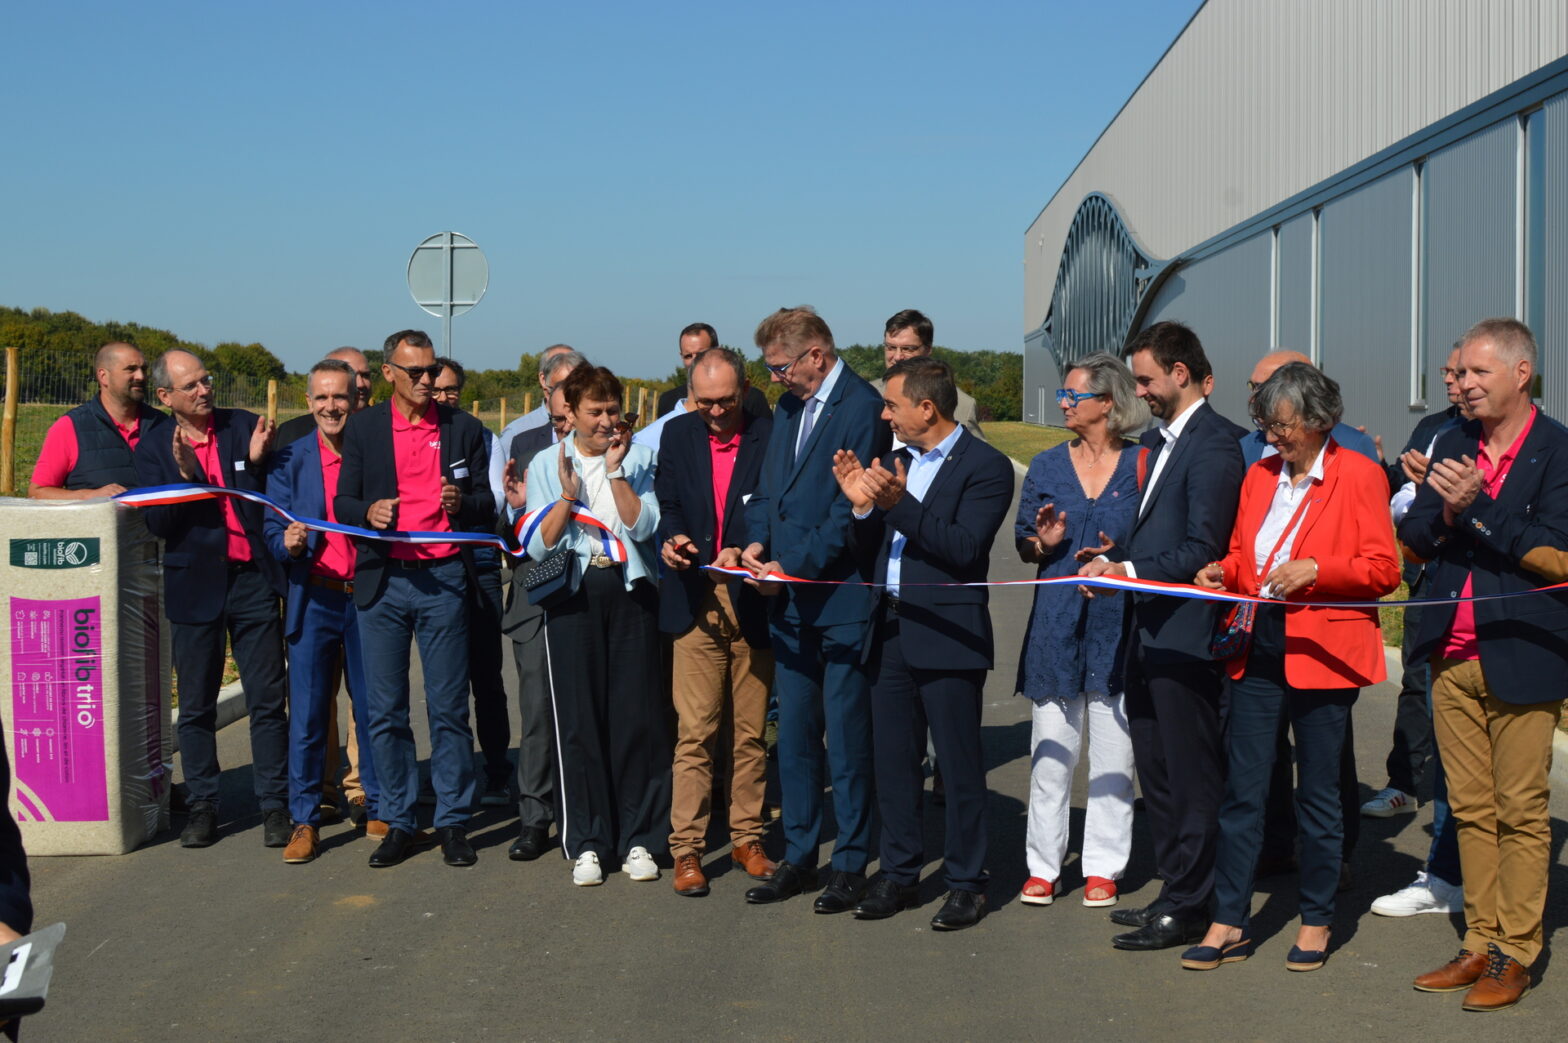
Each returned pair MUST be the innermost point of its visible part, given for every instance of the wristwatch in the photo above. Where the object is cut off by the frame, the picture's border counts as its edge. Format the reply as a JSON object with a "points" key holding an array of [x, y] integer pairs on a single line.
{"points": [[619, 472]]}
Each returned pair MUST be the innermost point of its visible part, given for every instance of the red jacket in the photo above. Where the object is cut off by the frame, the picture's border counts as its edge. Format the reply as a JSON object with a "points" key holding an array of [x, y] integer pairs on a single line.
{"points": [[1348, 531]]}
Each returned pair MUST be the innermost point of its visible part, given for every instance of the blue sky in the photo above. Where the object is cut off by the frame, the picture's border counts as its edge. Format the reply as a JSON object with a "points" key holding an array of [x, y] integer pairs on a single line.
{"points": [[261, 172]]}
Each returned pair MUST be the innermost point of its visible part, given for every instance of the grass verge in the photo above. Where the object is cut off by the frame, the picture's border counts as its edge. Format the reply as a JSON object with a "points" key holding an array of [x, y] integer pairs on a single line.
{"points": [[1022, 441]]}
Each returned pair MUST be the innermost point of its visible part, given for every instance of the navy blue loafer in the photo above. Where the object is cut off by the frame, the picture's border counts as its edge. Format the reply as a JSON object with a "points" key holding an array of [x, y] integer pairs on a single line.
{"points": [[1208, 957]]}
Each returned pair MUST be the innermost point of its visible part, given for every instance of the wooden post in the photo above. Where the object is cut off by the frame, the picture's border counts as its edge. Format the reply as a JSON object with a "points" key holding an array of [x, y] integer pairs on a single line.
{"points": [[272, 401], [642, 406], [528, 402], [8, 426], [475, 409], [501, 424]]}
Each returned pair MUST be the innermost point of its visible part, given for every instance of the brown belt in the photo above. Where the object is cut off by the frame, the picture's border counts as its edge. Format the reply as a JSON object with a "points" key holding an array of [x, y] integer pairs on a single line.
{"points": [[342, 586]]}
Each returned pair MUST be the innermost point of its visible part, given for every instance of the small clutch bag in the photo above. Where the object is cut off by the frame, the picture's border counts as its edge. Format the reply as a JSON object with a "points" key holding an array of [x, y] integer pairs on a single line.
{"points": [[554, 579]]}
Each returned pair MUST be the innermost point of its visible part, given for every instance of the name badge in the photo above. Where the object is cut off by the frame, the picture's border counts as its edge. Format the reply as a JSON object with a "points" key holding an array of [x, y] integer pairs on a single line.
{"points": [[459, 472], [239, 465]]}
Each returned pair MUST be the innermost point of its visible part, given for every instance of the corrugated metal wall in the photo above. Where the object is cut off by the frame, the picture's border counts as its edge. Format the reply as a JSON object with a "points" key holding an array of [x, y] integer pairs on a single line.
{"points": [[1294, 284], [1256, 102], [1365, 305], [1552, 337], [1469, 193], [1225, 299]]}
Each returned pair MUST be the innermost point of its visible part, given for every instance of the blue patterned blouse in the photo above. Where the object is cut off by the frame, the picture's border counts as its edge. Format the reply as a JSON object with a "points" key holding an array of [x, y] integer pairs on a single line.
{"points": [[1073, 644]]}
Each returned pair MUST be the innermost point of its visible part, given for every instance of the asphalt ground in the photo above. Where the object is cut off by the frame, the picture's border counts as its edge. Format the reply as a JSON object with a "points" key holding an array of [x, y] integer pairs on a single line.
{"points": [[228, 943]]}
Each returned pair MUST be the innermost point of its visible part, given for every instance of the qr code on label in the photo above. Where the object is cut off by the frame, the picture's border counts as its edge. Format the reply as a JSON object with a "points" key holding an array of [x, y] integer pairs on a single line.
{"points": [[30, 558]]}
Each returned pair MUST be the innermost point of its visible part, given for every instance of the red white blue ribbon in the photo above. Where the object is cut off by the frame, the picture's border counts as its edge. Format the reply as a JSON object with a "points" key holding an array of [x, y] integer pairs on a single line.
{"points": [[613, 547]]}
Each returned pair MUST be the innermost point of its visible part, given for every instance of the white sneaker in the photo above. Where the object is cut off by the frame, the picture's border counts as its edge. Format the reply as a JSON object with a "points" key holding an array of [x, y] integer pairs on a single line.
{"points": [[1387, 803], [586, 873], [1429, 894], [639, 865]]}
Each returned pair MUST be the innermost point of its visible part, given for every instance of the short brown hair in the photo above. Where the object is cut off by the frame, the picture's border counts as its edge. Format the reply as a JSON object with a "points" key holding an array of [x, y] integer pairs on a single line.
{"points": [[1170, 343], [910, 319], [794, 328], [1511, 338], [590, 381]]}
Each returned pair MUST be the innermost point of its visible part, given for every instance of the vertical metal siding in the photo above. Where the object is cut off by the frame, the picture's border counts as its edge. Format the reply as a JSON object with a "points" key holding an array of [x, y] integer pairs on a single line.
{"points": [[1469, 241], [1366, 288], [1295, 284], [1552, 337], [1225, 299]]}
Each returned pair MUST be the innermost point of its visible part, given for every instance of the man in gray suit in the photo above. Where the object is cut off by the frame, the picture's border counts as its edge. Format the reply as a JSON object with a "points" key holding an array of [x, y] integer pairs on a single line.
{"points": [[524, 624], [909, 334]]}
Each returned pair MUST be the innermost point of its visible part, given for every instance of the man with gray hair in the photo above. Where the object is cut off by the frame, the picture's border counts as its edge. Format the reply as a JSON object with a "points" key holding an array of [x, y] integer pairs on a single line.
{"points": [[555, 362]]}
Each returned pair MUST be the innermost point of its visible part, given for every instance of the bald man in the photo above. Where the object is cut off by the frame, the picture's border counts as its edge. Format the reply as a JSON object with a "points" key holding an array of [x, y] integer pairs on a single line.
{"points": [[87, 452], [1255, 447]]}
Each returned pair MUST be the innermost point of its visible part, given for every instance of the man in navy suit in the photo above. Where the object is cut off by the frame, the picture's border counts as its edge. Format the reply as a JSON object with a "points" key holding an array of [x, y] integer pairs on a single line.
{"points": [[709, 462], [217, 578], [1173, 684], [799, 523], [1492, 518], [320, 622], [411, 464], [932, 508]]}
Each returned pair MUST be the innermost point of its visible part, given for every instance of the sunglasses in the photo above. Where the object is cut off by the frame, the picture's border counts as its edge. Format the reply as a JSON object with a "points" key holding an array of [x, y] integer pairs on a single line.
{"points": [[416, 373]]}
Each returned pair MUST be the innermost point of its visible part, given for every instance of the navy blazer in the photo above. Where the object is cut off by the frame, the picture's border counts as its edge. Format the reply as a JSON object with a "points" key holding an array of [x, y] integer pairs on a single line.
{"points": [[195, 540], [294, 482], [798, 514], [684, 486], [1184, 524], [1523, 640], [948, 537], [369, 473]]}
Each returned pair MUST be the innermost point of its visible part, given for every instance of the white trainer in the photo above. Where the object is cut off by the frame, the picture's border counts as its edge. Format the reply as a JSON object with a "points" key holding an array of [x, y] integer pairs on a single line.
{"points": [[1429, 894], [586, 873], [639, 865], [1387, 803]]}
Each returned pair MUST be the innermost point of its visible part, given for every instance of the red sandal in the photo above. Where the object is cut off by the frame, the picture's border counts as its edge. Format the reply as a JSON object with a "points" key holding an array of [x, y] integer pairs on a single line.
{"points": [[1037, 892], [1099, 883]]}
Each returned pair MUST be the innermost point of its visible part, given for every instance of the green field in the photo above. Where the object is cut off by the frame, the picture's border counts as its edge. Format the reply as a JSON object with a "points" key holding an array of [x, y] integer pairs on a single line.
{"points": [[1022, 441]]}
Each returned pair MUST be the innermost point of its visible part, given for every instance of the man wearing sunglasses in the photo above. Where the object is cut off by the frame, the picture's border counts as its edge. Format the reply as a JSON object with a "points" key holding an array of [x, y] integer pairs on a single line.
{"points": [[411, 464], [219, 580]]}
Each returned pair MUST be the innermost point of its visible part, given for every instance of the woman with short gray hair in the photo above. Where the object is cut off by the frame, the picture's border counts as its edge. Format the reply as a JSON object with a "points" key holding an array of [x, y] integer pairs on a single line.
{"points": [[1076, 497]]}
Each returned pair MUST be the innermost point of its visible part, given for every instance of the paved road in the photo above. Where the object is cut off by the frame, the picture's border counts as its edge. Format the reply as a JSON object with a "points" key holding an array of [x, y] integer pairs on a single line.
{"points": [[230, 943]]}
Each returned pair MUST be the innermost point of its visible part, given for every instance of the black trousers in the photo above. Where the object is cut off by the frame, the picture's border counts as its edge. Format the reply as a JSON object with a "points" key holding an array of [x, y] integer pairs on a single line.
{"points": [[536, 744], [485, 659], [615, 729], [1173, 714], [1410, 756], [904, 701], [254, 628]]}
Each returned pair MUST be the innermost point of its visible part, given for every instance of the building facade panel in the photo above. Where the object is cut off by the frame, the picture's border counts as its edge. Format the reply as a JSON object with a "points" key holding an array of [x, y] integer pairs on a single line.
{"points": [[1551, 311], [1293, 285]]}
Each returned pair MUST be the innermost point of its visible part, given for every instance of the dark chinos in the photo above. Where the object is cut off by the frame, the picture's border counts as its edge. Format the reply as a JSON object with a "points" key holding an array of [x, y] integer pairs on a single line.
{"points": [[930, 648], [612, 715], [803, 522], [1173, 684], [321, 626], [424, 598], [207, 595], [492, 725]]}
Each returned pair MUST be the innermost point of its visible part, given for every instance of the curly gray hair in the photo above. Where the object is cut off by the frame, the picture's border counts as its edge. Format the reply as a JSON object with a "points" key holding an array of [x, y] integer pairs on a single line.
{"points": [[1314, 396]]}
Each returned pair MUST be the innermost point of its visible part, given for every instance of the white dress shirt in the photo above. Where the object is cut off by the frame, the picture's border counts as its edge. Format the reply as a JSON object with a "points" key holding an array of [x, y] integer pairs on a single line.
{"points": [[1169, 432], [1287, 497]]}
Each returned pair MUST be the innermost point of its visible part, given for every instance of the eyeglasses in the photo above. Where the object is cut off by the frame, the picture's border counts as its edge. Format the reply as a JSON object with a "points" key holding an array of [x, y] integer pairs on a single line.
{"points": [[452, 391], [1277, 428], [784, 367], [1074, 397], [904, 350], [415, 373], [190, 389], [1253, 385], [1447, 371], [557, 419]]}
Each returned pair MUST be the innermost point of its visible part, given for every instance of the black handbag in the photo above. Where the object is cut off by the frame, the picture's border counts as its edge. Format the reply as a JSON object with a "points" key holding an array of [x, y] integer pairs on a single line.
{"points": [[554, 579]]}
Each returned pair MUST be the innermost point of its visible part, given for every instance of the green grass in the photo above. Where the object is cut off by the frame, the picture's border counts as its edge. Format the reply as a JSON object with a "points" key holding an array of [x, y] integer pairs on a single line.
{"points": [[1393, 619], [1022, 441]]}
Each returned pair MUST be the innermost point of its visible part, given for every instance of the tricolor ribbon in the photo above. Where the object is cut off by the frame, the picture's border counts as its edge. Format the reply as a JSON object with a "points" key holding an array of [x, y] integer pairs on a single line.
{"points": [[613, 547]]}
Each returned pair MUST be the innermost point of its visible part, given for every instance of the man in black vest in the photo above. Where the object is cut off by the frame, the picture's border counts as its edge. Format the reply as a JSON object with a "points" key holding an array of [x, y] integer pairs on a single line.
{"points": [[87, 452]]}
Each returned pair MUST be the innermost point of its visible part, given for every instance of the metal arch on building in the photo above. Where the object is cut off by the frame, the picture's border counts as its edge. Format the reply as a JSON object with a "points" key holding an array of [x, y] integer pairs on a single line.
{"points": [[1101, 280]]}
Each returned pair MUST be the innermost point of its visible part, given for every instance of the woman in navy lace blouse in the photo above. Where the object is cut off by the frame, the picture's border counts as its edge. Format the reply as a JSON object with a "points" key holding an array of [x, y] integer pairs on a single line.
{"points": [[1077, 498]]}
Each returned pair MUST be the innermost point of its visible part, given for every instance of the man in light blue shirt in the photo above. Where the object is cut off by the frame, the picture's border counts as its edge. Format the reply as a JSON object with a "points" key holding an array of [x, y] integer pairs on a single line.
{"points": [[555, 362]]}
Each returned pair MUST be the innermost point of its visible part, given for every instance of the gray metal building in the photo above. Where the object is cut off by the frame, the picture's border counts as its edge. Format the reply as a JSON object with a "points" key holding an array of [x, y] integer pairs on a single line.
{"points": [[1358, 180]]}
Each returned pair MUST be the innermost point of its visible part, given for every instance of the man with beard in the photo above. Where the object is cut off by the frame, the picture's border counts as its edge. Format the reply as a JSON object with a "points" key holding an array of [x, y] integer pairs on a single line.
{"points": [[87, 452]]}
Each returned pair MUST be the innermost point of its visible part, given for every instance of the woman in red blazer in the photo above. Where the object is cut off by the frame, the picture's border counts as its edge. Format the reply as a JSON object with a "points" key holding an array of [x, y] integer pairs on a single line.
{"points": [[1313, 525]]}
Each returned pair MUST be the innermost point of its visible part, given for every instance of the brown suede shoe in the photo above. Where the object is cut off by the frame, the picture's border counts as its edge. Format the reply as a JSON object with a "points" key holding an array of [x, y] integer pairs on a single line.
{"points": [[1503, 984], [302, 845], [375, 829], [1459, 973], [689, 880], [751, 858]]}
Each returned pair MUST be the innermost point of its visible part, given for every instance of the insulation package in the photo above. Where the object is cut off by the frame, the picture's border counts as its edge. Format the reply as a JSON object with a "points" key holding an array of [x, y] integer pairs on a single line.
{"points": [[86, 654]]}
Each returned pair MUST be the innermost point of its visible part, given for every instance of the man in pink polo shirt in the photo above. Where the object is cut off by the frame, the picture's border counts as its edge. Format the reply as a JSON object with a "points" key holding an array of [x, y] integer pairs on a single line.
{"points": [[87, 452]]}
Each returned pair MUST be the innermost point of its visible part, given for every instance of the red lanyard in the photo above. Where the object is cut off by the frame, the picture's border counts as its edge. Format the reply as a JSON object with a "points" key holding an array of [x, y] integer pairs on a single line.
{"points": [[1306, 498]]}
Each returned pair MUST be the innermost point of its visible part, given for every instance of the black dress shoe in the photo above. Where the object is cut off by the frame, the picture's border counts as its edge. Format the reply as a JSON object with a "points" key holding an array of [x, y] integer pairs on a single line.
{"points": [[1137, 917], [1163, 932], [884, 898], [529, 845], [393, 849], [962, 909], [276, 828], [841, 894], [786, 882], [455, 848], [201, 825]]}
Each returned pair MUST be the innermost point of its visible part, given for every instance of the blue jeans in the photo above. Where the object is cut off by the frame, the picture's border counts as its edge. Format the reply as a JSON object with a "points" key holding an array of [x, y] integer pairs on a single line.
{"points": [[429, 605], [330, 624]]}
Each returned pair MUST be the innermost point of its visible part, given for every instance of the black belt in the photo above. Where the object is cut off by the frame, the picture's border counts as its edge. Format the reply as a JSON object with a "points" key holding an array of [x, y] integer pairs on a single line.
{"points": [[420, 563], [242, 566]]}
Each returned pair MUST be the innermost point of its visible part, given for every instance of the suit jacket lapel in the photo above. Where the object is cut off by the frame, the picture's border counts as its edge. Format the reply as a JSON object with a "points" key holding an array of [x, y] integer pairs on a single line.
{"points": [[312, 499], [1318, 495], [746, 459], [824, 413], [1532, 456]]}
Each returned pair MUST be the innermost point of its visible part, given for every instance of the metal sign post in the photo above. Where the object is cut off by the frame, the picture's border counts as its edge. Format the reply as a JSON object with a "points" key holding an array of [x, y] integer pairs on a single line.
{"points": [[447, 275]]}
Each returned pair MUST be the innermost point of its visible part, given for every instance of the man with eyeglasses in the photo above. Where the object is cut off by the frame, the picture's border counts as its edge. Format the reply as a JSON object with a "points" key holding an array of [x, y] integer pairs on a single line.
{"points": [[798, 522], [87, 452], [411, 464], [910, 335], [218, 579]]}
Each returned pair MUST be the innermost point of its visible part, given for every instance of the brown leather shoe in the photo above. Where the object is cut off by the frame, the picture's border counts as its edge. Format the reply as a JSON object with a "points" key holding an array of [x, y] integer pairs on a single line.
{"points": [[1503, 984], [751, 858], [375, 828], [1459, 973], [689, 880], [301, 846]]}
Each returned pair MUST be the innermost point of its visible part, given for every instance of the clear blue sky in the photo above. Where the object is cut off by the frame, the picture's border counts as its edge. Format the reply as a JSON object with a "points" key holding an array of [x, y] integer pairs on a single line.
{"points": [[260, 172]]}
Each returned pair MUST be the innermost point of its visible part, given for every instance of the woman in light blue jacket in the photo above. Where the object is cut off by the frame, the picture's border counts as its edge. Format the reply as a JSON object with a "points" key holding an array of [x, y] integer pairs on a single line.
{"points": [[593, 498]]}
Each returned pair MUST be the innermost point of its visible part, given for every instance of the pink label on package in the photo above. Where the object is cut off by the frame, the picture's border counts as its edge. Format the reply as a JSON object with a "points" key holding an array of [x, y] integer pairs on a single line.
{"points": [[57, 710]]}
